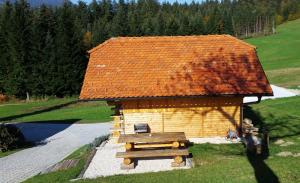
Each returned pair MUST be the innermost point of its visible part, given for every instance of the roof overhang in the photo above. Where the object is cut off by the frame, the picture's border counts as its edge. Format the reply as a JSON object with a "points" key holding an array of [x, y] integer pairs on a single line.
{"points": [[181, 96]]}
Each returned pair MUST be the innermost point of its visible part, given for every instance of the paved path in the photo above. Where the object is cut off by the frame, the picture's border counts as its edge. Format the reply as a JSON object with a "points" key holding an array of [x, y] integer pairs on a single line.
{"points": [[279, 92], [57, 142]]}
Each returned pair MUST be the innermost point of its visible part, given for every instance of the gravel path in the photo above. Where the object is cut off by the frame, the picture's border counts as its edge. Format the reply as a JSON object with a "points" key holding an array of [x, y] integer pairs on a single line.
{"points": [[57, 142]]}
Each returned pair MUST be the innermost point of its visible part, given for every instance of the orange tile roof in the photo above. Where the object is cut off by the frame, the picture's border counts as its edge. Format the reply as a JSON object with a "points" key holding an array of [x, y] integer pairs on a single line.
{"points": [[161, 66]]}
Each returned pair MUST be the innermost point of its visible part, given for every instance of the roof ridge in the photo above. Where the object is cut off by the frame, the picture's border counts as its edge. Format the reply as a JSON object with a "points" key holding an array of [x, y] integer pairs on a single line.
{"points": [[243, 42], [167, 38], [179, 36], [100, 45]]}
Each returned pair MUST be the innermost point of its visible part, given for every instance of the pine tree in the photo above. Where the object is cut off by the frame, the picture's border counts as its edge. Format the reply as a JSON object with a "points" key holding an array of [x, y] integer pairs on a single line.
{"points": [[70, 53], [43, 33], [197, 25], [5, 36], [120, 21], [134, 23], [159, 24], [20, 78], [184, 28], [171, 26]]}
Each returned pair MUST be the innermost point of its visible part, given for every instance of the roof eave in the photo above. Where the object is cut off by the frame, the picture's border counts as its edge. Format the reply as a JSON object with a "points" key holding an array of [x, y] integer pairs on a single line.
{"points": [[178, 96]]}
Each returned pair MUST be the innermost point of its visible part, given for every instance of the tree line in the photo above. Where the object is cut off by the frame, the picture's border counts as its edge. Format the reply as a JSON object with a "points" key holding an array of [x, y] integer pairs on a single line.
{"points": [[43, 49]]}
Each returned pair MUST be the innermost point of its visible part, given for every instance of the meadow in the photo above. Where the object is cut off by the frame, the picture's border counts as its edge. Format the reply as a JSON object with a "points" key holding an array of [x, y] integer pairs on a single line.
{"points": [[66, 110], [279, 54]]}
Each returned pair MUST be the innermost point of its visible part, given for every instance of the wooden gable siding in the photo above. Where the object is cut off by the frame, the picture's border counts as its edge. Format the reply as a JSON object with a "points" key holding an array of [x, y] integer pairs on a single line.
{"points": [[197, 117]]}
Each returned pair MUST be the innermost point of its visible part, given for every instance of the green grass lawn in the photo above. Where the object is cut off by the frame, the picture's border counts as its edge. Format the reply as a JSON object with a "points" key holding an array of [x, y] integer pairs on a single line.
{"points": [[2, 154], [226, 163], [279, 54], [55, 110]]}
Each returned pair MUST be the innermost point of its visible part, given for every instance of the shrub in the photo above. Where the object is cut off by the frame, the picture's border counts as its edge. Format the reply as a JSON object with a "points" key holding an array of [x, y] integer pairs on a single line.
{"points": [[97, 141], [10, 137]]}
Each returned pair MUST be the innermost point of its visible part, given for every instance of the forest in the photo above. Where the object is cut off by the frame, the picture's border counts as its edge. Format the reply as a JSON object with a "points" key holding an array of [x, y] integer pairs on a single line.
{"points": [[43, 50]]}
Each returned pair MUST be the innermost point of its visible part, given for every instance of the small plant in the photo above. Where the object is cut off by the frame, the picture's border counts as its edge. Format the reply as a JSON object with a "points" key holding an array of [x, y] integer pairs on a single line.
{"points": [[10, 137], [97, 141]]}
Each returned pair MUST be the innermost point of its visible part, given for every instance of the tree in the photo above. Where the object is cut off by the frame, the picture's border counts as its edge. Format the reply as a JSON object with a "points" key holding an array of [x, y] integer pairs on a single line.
{"points": [[5, 38], [120, 22], [196, 25], [20, 78], [171, 26]]}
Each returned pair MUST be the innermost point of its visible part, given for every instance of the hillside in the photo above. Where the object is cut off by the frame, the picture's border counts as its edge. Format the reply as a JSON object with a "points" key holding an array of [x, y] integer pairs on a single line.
{"points": [[280, 54]]}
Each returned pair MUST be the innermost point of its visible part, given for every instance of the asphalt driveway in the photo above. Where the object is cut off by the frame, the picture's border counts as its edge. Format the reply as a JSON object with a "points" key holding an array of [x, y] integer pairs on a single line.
{"points": [[56, 142]]}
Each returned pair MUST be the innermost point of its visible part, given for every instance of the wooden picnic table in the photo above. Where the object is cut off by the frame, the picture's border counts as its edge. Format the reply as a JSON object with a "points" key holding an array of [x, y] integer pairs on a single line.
{"points": [[137, 145]]}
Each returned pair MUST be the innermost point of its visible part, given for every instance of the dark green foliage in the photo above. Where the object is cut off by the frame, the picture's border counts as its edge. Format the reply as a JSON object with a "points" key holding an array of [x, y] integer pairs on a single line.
{"points": [[10, 137], [43, 49]]}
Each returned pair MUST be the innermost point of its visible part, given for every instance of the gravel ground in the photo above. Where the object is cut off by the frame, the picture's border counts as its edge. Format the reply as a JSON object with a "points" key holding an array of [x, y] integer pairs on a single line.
{"points": [[214, 140], [105, 163], [56, 142]]}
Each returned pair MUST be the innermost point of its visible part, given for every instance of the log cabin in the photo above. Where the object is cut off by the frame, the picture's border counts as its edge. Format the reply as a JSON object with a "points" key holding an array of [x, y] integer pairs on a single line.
{"points": [[191, 84]]}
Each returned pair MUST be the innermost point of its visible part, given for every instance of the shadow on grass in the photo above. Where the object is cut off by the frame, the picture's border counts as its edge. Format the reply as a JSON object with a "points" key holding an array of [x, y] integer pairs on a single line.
{"points": [[9, 118], [37, 132], [263, 173], [277, 126]]}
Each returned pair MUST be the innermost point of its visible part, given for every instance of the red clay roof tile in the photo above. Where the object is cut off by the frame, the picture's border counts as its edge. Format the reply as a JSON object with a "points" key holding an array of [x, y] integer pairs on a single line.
{"points": [[161, 66]]}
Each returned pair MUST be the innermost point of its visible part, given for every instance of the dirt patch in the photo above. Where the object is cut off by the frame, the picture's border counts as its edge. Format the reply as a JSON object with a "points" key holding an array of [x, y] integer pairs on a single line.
{"points": [[287, 144], [283, 143], [285, 154], [279, 141], [288, 153]]}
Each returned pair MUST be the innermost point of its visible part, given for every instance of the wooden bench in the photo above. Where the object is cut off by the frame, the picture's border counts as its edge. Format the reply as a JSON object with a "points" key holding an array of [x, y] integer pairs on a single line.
{"points": [[176, 153]]}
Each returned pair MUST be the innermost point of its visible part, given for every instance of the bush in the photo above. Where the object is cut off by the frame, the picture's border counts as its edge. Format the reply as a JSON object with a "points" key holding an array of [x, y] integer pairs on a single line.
{"points": [[10, 137], [97, 141]]}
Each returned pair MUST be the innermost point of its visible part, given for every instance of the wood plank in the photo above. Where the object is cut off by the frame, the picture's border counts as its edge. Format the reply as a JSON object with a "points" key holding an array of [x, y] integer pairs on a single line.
{"points": [[156, 145], [153, 153], [152, 137], [203, 117]]}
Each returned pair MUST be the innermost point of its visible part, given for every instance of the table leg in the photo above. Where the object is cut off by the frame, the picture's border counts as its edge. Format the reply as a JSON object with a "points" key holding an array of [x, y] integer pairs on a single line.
{"points": [[127, 164], [129, 146], [178, 162]]}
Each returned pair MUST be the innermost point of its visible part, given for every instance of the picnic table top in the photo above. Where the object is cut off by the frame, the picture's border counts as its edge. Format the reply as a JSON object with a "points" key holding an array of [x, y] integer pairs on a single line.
{"points": [[152, 137]]}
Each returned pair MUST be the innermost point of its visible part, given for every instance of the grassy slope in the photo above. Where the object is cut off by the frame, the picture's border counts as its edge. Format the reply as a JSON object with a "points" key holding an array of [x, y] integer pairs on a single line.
{"points": [[279, 54], [51, 111], [228, 163]]}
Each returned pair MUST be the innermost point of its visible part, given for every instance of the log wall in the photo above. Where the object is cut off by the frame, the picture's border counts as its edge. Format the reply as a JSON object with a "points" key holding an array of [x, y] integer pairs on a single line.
{"points": [[197, 117]]}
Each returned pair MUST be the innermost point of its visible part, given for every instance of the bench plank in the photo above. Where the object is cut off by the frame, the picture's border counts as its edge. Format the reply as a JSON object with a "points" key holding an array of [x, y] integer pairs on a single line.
{"points": [[152, 137], [153, 153]]}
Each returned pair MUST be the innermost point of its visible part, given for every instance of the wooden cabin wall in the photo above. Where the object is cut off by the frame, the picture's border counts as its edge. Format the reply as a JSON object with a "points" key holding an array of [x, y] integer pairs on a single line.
{"points": [[197, 117]]}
